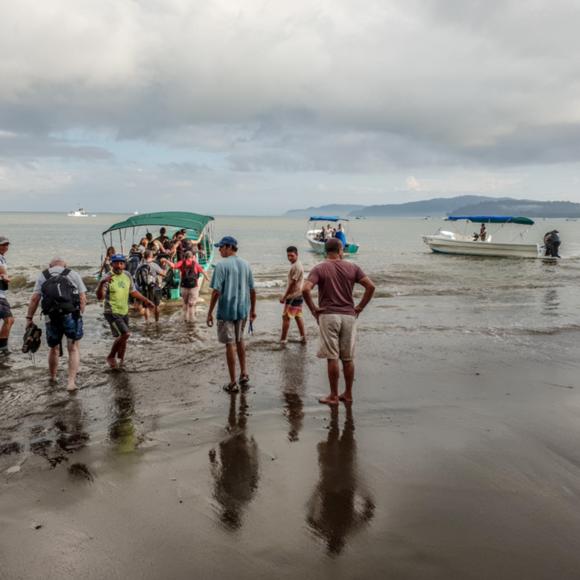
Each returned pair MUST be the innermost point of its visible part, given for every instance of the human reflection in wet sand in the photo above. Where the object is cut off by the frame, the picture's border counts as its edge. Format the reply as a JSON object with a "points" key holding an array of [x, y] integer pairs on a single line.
{"points": [[122, 432], [68, 427], [236, 470], [551, 302], [340, 505], [293, 389]]}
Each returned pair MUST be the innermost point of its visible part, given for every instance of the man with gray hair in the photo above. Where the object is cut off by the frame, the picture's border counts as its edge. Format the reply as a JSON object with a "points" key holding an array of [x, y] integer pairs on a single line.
{"points": [[61, 294]]}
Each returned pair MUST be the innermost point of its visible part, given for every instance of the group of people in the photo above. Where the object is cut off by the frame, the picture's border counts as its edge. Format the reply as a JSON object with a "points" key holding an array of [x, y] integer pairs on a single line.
{"points": [[328, 232], [62, 296], [234, 294]]}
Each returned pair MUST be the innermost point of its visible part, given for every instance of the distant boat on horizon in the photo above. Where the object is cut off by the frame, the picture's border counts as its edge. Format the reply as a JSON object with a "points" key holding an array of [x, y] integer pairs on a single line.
{"points": [[79, 213]]}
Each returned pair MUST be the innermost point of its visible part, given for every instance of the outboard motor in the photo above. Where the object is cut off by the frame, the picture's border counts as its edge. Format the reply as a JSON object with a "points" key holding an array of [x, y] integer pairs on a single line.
{"points": [[552, 244]]}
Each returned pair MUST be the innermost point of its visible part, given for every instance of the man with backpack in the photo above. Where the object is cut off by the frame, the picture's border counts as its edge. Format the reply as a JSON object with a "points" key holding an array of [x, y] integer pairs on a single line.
{"points": [[147, 282], [189, 270], [61, 294]]}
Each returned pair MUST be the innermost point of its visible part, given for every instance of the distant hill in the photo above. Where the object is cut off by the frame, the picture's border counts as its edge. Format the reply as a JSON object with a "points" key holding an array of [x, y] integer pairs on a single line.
{"points": [[429, 207], [444, 206], [332, 209], [523, 207]]}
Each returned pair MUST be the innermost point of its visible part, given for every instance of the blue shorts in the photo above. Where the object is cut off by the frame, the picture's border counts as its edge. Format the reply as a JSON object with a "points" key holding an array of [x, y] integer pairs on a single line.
{"points": [[70, 325], [5, 311]]}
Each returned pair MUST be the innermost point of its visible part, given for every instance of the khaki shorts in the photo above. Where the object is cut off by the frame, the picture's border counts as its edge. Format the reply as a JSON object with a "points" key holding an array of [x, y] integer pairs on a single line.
{"points": [[337, 336], [230, 331], [190, 295]]}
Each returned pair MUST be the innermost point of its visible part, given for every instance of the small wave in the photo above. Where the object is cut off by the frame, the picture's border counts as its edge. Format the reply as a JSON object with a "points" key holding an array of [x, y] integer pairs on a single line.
{"points": [[270, 284]]}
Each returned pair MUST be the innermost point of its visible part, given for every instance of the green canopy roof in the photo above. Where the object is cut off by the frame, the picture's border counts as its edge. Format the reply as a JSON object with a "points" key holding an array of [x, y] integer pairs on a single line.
{"points": [[178, 219]]}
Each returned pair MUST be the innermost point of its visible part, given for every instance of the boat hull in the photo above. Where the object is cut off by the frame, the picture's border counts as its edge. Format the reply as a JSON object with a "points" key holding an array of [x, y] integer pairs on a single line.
{"points": [[318, 247], [442, 245]]}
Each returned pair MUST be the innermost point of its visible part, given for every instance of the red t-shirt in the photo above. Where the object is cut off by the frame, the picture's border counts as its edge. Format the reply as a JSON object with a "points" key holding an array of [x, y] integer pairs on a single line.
{"points": [[183, 265], [335, 280]]}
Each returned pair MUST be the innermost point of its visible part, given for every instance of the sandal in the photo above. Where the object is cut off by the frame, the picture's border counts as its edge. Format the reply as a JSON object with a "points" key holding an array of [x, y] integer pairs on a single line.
{"points": [[232, 388], [244, 379]]}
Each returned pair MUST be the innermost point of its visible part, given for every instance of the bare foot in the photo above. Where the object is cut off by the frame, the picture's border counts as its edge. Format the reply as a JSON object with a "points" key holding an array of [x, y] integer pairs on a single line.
{"points": [[344, 398], [328, 400], [303, 340], [71, 387], [112, 362]]}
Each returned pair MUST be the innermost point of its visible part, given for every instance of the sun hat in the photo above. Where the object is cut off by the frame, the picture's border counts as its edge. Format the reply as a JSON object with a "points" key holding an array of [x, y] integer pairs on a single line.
{"points": [[4, 240]]}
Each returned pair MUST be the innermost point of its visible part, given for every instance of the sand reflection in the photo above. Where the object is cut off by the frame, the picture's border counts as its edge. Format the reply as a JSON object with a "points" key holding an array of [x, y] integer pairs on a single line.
{"points": [[235, 468], [340, 505]]}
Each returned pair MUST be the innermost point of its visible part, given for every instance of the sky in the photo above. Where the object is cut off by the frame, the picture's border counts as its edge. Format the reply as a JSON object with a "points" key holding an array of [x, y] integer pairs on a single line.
{"points": [[256, 106]]}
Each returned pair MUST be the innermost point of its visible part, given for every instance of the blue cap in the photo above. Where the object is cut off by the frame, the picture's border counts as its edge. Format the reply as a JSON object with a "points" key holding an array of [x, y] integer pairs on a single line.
{"points": [[118, 258], [227, 241]]}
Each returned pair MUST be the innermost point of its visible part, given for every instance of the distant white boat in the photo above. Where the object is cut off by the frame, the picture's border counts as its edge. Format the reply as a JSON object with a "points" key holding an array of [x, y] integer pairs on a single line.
{"points": [[452, 242], [79, 213]]}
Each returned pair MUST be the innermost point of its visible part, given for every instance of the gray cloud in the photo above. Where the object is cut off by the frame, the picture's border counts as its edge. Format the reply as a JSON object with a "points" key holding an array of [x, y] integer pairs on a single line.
{"points": [[295, 87]]}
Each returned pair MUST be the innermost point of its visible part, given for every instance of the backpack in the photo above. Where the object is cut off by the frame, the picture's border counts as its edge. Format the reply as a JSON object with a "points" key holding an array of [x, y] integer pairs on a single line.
{"points": [[188, 277], [144, 277], [59, 295]]}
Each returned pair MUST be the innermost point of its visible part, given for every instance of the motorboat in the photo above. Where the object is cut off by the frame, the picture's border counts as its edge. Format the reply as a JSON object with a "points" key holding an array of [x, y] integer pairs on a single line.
{"points": [[316, 233], [79, 213], [503, 241]]}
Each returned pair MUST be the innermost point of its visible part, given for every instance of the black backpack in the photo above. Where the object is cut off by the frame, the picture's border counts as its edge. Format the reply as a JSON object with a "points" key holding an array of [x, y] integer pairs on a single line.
{"points": [[189, 277], [59, 295], [144, 277]]}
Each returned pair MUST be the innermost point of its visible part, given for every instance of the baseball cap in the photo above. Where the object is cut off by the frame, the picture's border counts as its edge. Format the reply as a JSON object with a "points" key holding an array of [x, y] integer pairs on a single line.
{"points": [[4, 240], [227, 241], [118, 258]]}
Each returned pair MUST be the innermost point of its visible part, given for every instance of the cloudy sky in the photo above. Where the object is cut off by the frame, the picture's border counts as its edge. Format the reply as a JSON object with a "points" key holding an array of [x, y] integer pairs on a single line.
{"points": [[258, 106]]}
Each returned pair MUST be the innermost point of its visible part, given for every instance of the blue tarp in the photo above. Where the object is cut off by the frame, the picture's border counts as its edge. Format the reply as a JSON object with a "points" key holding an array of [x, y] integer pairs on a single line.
{"points": [[493, 219], [327, 218]]}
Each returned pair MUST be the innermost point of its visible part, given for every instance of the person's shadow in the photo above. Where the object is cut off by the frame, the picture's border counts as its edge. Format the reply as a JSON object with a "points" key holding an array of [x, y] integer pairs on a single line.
{"points": [[340, 505], [235, 468]]}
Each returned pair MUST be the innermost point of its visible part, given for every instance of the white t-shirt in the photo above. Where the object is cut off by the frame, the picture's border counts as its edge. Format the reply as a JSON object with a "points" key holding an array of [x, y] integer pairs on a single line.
{"points": [[2, 263]]}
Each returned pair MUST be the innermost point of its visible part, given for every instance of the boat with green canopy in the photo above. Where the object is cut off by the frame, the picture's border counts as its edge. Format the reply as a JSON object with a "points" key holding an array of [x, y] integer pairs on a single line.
{"points": [[502, 241], [198, 229]]}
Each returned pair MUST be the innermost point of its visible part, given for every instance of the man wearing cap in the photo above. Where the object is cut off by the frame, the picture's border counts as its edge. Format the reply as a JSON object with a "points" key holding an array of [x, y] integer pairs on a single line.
{"points": [[115, 289], [5, 312], [336, 315], [61, 322], [233, 292]]}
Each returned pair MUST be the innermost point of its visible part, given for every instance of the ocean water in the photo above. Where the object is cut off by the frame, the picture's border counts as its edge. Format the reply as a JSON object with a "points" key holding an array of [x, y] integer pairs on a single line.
{"points": [[522, 303]]}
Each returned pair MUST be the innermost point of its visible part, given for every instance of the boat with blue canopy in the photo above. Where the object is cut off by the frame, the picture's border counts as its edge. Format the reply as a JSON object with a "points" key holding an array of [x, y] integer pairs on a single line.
{"points": [[318, 232], [198, 228], [501, 241]]}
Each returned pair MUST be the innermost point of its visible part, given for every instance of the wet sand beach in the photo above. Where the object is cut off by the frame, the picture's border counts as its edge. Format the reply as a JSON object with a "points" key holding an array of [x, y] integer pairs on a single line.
{"points": [[458, 459], [439, 470]]}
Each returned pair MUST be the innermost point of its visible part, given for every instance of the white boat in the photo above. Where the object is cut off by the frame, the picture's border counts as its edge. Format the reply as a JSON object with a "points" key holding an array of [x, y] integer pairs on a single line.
{"points": [[78, 213], [505, 242], [314, 234]]}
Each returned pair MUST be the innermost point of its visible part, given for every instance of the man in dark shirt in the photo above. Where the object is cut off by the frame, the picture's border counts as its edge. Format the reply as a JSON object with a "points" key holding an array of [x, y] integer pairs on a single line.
{"points": [[336, 315]]}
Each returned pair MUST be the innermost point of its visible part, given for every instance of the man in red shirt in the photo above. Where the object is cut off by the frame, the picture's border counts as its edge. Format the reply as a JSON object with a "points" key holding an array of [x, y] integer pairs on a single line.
{"points": [[336, 315]]}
